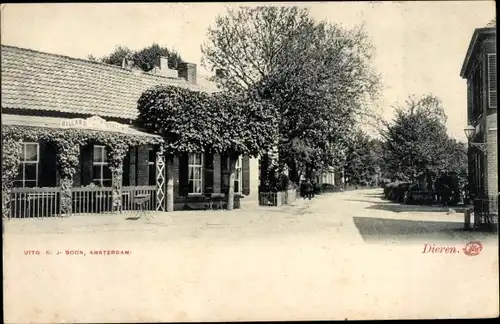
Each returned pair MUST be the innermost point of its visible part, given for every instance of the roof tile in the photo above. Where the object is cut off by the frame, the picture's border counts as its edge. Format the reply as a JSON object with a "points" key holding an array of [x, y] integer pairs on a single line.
{"points": [[34, 80]]}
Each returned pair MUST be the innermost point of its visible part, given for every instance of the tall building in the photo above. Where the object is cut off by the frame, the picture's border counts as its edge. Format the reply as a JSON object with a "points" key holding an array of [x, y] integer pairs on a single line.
{"points": [[480, 70]]}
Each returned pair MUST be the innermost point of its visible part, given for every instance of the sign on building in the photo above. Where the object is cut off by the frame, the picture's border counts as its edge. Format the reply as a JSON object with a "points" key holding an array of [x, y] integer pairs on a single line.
{"points": [[94, 122]]}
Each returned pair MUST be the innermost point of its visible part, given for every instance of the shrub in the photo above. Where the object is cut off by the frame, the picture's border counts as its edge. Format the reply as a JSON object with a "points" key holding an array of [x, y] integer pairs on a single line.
{"points": [[448, 188], [395, 191]]}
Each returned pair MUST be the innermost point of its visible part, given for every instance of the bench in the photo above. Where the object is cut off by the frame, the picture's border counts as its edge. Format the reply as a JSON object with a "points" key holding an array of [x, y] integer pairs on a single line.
{"points": [[140, 201], [215, 200]]}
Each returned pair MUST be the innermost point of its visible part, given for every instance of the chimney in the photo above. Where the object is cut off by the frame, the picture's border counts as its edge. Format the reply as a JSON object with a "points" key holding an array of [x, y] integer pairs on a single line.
{"points": [[188, 72], [128, 63], [162, 63], [161, 68]]}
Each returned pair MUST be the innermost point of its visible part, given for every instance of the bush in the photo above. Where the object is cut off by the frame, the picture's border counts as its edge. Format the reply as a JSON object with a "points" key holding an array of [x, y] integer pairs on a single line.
{"points": [[327, 187], [395, 191], [448, 188], [419, 195], [388, 188]]}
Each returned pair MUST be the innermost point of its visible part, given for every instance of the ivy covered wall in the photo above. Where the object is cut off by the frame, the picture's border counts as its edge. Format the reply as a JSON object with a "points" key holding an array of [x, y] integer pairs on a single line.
{"points": [[67, 143]]}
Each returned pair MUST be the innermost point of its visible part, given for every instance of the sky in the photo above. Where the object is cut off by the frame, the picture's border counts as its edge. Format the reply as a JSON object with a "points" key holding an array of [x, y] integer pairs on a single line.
{"points": [[420, 46]]}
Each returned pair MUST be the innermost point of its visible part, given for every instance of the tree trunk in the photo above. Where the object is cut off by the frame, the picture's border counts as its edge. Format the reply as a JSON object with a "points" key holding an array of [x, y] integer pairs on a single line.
{"points": [[66, 197], [116, 187], [230, 194], [264, 166], [169, 179]]}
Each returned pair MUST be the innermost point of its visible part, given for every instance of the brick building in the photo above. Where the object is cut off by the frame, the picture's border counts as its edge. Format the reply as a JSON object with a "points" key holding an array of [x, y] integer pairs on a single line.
{"points": [[54, 91], [479, 69]]}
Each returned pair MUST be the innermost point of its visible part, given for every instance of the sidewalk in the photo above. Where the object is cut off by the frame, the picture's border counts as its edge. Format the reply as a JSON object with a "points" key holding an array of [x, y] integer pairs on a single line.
{"points": [[249, 213]]}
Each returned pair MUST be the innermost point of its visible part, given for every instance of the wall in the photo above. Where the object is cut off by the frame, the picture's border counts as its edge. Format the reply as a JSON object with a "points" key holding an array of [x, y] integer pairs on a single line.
{"points": [[254, 182], [492, 155]]}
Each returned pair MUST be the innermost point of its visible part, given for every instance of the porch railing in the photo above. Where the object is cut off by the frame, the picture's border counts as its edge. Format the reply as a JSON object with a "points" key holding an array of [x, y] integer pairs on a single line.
{"points": [[272, 198], [46, 202], [35, 202], [486, 211], [98, 200], [267, 199], [128, 200], [92, 200]]}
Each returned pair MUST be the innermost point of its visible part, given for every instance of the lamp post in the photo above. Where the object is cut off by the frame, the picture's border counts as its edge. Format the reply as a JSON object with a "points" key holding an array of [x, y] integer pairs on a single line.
{"points": [[470, 131]]}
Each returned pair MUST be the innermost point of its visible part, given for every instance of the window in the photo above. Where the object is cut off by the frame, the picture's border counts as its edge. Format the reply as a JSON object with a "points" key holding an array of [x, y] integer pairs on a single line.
{"points": [[492, 80], [195, 169], [476, 92], [470, 101], [152, 167], [100, 169], [238, 175], [28, 168]]}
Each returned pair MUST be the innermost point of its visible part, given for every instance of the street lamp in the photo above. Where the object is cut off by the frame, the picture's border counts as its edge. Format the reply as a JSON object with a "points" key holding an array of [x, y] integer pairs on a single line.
{"points": [[470, 131]]}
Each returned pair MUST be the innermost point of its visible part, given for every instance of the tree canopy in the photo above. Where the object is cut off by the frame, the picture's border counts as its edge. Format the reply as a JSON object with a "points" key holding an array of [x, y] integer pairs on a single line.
{"points": [[231, 123], [363, 159], [144, 59], [317, 75], [416, 143]]}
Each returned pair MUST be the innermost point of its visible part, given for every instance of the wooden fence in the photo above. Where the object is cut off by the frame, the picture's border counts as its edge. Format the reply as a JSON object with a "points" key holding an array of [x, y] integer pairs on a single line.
{"points": [[45, 202]]}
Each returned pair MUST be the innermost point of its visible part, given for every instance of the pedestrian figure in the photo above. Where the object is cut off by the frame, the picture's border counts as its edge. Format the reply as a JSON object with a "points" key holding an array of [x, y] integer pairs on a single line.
{"points": [[308, 187]]}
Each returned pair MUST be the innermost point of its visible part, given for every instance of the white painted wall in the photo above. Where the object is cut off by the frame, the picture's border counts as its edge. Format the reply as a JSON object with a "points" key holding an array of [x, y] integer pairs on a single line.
{"points": [[254, 181]]}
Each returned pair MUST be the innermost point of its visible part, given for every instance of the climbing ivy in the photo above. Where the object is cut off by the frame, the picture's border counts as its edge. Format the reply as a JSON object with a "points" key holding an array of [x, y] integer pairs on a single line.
{"points": [[224, 122], [11, 155], [68, 143], [230, 123]]}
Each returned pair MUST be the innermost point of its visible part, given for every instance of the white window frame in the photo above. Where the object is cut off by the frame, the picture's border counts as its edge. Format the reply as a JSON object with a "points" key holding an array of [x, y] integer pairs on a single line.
{"points": [[100, 164], [238, 175], [489, 81], [200, 166], [24, 162]]}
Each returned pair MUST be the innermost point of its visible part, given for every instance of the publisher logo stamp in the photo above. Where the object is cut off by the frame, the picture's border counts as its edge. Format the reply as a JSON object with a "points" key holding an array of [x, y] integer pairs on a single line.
{"points": [[473, 248]]}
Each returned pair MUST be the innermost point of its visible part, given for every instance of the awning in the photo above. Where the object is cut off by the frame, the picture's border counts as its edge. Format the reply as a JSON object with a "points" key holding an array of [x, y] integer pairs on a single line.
{"points": [[94, 123]]}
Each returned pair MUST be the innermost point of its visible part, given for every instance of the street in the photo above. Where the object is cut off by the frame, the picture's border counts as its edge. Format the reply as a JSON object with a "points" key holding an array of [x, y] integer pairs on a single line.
{"points": [[341, 255]]}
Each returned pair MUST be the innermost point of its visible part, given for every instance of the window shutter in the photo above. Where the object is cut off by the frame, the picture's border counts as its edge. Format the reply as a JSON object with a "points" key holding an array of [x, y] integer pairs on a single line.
{"points": [[142, 165], [245, 171], [183, 175], [224, 171], [469, 100], [208, 173], [492, 80], [133, 166], [126, 169], [86, 162], [47, 171]]}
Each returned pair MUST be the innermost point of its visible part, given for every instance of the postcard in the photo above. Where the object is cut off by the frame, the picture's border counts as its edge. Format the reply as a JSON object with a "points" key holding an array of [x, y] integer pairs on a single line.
{"points": [[281, 161]]}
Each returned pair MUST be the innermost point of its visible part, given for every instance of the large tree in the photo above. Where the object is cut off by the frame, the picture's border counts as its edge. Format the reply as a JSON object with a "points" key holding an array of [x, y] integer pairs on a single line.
{"points": [[363, 157], [416, 143], [144, 59], [317, 75]]}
